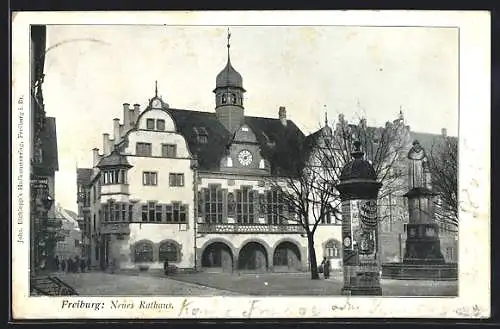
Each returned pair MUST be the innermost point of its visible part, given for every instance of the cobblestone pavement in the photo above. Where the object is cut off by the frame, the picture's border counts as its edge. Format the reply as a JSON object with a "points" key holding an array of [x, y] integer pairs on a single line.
{"points": [[223, 284], [105, 284], [300, 284]]}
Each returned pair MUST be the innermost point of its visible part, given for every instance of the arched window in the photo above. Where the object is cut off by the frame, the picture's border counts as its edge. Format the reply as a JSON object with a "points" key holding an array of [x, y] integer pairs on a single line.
{"points": [[332, 249], [143, 252], [169, 250]]}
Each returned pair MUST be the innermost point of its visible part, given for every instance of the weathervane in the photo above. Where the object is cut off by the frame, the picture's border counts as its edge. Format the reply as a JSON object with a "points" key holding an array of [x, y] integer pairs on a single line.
{"points": [[156, 88]]}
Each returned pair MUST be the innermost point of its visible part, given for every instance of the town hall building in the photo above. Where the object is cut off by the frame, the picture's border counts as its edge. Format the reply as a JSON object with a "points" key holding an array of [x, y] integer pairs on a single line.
{"points": [[194, 188]]}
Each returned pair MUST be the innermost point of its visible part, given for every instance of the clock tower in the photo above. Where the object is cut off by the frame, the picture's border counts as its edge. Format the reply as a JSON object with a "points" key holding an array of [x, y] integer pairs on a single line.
{"points": [[229, 95]]}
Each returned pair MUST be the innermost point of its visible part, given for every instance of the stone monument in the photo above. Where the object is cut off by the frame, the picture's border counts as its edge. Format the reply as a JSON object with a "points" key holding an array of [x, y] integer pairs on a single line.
{"points": [[422, 242], [358, 189]]}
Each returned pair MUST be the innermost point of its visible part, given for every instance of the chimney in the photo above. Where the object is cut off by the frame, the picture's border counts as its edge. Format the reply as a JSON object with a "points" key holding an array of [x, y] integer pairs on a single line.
{"points": [[106, 147], [444, 132], [126, 113], [131, 117], [137, 110], [116, 130], [96, 156], [282, 115]]}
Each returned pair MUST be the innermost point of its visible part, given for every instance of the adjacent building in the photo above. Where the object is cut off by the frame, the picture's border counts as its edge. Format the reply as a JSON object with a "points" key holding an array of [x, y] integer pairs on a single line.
{"points": [[44, 162], [69, 246], [194, 188]]}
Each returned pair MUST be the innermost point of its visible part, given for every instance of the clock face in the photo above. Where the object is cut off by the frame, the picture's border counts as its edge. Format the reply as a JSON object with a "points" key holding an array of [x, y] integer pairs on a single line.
{"points": [[245, 157], [347, 241], [156, 103]]}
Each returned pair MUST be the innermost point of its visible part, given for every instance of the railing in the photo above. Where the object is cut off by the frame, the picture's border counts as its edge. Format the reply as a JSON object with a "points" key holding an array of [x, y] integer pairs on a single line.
{"points": [[51, 286], [236, 228]]}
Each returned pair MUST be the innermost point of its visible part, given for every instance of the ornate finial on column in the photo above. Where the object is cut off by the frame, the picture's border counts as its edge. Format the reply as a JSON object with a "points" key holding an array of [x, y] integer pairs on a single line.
{"points": [[156, 88]]}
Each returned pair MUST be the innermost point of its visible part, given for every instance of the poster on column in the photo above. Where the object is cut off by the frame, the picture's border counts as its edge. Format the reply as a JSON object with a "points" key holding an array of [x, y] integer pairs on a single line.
{"points": [[135, 99]]}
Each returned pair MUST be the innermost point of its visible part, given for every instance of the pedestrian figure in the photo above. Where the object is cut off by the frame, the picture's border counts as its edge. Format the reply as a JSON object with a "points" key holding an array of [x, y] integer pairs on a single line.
{"points": [[165, 267], [326, 268], [57, 263], [82, 265], [77, 264]]}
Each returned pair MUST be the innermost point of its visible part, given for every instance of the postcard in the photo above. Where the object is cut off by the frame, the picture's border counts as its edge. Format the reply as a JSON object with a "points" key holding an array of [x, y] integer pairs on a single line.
{"points": [[257, 164]]}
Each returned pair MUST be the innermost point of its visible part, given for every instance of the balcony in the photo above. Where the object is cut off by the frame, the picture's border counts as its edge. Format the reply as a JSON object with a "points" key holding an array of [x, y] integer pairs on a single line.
{"points": [[236, 228]]}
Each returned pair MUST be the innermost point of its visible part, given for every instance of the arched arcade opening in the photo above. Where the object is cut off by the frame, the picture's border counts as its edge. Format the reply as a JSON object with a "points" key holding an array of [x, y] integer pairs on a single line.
{"points": [[217, 256], [253, 257]]}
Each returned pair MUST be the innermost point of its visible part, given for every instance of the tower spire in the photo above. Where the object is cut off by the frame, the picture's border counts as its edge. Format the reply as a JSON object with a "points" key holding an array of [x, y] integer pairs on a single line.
{"points": [[156, 88], [228, 44]]}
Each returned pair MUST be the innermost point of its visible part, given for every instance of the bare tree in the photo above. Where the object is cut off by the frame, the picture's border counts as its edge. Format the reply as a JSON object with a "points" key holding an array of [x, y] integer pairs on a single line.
{"points": [[315, 165], [442, 161]]}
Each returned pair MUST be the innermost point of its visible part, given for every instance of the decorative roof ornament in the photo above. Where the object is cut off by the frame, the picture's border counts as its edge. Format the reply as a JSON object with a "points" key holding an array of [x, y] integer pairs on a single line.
{"points": [[229, 77], [156, 88]]}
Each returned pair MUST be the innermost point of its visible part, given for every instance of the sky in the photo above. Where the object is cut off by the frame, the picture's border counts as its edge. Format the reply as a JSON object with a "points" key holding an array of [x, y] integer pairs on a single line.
{"points": [[371, 72]]}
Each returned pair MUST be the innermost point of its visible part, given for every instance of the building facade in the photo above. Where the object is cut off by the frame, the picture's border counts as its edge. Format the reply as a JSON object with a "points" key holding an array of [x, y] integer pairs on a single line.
{"points": [[44, 226], [196, 189], [70, 245]]}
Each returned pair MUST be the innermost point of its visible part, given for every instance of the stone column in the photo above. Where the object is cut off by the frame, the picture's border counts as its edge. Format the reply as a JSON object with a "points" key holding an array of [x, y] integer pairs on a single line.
{"points": [[358, 189]]}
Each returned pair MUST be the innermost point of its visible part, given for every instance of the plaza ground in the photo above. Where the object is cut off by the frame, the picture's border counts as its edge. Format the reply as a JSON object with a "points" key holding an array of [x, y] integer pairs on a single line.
{"points": [[155, 283]]}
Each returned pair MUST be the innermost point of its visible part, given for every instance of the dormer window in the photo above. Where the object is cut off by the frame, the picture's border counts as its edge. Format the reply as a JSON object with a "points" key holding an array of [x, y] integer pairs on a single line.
{"points": [[160, 124], [150, 124], [200, 134]]}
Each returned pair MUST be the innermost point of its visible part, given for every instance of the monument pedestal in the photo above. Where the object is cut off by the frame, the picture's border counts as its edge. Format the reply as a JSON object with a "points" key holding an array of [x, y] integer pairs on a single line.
{"points": [[423, 245]]}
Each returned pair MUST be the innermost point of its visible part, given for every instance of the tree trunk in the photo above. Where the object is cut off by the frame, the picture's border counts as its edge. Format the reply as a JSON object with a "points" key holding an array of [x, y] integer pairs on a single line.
{"points": [[312, 257]]}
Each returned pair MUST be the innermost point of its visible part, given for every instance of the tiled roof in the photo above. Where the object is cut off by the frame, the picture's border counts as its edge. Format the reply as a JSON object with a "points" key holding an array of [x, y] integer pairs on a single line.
{"points": [[113, 160], [210, 153], [83, 176], [279, 144]]}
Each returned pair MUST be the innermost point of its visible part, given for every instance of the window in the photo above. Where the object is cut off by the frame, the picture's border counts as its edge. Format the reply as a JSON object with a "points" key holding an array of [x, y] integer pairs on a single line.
{"points": [[176, 213], [94, 224], [143, 252], [143, 149], [245, 205], [168, 250], [96, 250], [332, 249], [168, 150], [149, 178], [224, 99], [160, 124], [213, 204], [176, 180], [150, 124], [116, 176], [117, 212], [158, 213], [449, 253], [275, 207]]}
